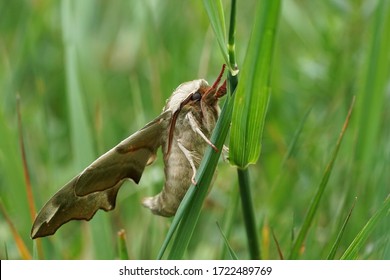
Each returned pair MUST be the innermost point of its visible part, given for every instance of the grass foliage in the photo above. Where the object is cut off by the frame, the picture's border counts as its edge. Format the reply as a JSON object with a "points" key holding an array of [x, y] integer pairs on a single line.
{"points": [[89, 73]]}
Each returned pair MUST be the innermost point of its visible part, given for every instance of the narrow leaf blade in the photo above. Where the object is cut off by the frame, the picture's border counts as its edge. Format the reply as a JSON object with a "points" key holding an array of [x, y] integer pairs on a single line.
{"points": [[251, 99], [215, 13], [203, 179], [361, 237], [320, 191], [232, 254], [336, 244]]}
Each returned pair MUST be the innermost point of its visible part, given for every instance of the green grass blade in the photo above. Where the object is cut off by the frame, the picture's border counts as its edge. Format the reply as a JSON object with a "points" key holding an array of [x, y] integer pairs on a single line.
{"points": [[81, 134], [23, 250], [231, 39], [253, 91], [192, 201], [361, 237], [82, 139], [122, 245], [321, 188], [203, 179], [176, 220], [292, 149], [243, 175], [372, 95], [231, 251], [294, 142], [248, 214], [336, 244], [216, 16], [228, 220]]}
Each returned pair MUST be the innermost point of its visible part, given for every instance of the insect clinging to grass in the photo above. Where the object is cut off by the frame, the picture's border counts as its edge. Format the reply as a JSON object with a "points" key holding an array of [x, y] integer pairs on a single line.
{"points": [[182, 131]]}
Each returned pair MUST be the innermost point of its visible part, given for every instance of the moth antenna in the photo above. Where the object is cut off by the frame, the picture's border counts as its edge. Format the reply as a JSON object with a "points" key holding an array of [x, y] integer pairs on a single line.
{"points": [[217, 81], [221, 90]]}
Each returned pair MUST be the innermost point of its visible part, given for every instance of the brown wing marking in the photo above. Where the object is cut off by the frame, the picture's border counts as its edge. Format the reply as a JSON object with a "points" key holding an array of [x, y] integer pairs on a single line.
{"points": [[97, 186]]}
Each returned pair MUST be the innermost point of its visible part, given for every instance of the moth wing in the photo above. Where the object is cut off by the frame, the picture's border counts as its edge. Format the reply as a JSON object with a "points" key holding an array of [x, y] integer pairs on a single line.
{"points": [[97, 186]]}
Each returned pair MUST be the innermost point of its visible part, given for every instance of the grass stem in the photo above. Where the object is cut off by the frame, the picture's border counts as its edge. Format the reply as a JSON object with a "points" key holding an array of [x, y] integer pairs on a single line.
{"points": [[248, 212]]}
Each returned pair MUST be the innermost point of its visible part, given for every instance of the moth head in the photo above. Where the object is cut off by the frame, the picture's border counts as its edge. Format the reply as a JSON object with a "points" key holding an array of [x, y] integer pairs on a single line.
{"points": [[213, 93], [197, 96], [186, 94], [196, 91]]}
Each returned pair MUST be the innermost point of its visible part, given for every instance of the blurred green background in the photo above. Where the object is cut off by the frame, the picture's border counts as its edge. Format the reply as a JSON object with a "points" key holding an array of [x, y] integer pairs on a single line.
{"points": [[90, 73]]}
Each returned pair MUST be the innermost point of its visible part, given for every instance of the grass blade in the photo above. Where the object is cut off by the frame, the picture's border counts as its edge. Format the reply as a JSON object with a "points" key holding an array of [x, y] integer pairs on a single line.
{"points": [[361, 237], [24, 252], [372, 95], [231, 251], [228, 219], [277, 245], [81, 134], [176, 220], [26, 174], [294, 142], [336, 244], [231, 41], [122, 245], [252, 96], [321, 188], [203, 179], [189, 208], [27, 180], [216, 16]]}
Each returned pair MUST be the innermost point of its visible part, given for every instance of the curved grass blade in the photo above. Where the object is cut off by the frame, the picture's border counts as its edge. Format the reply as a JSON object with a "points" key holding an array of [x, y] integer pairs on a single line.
{"points": [[253, 91], [24, 161], [321, 188], [26, 175], [277, 245], [24, 252], [361, 237]]}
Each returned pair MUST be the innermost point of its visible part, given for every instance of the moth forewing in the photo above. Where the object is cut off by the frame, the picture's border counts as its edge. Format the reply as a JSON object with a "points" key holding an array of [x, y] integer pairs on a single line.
{"points": [[126, 160], [97, 186]]}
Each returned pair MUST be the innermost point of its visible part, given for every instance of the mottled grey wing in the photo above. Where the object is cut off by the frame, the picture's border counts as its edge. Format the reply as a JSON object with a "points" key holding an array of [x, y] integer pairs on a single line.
{"points": [[97, 186]]}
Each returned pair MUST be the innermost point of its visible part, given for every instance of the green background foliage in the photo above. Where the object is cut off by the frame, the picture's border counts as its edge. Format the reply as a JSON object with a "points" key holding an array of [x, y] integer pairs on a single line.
{"points": [[90, 73]]}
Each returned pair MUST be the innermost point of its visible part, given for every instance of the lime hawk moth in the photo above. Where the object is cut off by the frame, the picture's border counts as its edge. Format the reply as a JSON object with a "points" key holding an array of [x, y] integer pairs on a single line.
{"points": [[182, 131]]}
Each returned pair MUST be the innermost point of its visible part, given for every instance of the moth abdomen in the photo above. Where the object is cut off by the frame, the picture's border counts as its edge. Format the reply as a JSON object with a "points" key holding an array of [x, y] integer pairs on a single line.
{"points": [[178, 174]]}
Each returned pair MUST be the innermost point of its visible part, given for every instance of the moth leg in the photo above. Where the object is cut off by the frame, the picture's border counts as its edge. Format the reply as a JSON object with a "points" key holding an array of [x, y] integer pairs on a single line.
{"points": [[189, 157], [195, 127]]}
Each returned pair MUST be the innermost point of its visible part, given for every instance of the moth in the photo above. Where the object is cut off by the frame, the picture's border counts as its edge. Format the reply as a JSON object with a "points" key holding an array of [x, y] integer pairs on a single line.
{"points": [[182, 131]]}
